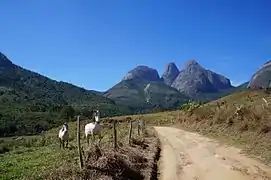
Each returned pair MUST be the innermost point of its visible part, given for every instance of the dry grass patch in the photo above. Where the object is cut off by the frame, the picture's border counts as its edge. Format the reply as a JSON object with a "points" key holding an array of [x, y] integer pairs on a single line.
{"points": [[133, 162], [242, 119]]}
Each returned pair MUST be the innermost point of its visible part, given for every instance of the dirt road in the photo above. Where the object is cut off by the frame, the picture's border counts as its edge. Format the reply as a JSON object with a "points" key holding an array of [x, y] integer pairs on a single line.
{"points": [[190, 156]]}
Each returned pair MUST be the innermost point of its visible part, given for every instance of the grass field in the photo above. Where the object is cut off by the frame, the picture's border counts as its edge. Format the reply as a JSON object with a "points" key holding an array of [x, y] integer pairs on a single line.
{"points": [[37, 157]]}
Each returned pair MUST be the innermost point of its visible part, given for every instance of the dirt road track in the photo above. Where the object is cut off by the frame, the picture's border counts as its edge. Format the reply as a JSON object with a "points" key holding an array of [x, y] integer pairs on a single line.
{"points": [[190, 156]]}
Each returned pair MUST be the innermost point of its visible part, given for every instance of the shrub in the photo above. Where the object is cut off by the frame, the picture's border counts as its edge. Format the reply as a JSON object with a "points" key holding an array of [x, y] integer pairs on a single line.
{"points": [[3, 149], [190, 106]]}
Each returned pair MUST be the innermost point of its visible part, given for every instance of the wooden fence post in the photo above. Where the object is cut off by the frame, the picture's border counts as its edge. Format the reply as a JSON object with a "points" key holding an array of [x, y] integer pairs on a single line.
{"points": [[144, 126], [130, 132], [138, 127], [78, 143], [115, 134]]}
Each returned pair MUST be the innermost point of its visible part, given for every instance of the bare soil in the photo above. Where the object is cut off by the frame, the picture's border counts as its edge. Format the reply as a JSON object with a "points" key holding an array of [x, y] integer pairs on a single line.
{"points": [[190, 156]]}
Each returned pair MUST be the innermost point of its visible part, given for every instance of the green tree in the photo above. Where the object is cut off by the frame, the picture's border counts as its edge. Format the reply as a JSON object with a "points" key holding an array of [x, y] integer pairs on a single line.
{"points": [[67, 112], [86, 112]]}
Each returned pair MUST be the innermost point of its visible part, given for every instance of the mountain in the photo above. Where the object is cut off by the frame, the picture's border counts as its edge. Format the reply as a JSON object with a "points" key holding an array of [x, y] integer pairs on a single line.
{"points": [[195, 81], [143, 90], [170, 74], [262, 78], [29, 100]]}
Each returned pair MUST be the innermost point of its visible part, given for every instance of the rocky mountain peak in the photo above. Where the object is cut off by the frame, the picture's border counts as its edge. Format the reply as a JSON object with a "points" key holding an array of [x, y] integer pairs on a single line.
{"points": [[170, 74], [144, 73], [193, 78], [191, 63]]}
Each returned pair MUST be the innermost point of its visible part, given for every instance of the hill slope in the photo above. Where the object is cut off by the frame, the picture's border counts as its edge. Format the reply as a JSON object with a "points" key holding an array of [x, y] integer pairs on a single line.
{"points": [[144, 96], [30, 101], [242, 117], [222, 93]]}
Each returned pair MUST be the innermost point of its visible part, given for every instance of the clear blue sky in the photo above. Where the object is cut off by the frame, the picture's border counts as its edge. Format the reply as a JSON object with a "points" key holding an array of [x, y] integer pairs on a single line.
{"points": [[93, 43]]}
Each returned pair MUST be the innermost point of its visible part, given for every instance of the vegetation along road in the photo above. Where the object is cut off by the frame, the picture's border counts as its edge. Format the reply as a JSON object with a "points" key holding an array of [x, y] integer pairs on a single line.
{"points": [[191, 156]]}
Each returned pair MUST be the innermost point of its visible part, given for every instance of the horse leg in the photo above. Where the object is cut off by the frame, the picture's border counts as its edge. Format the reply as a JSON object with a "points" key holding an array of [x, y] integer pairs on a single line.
{"points": [[63, 142], [87, 139], [60, 143], [67, 143], [93, 139], [100, 138]]}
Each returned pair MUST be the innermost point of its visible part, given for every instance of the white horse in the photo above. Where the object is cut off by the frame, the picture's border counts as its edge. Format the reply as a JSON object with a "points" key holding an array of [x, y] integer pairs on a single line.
{"points": [[94, 128], [63, 135]]}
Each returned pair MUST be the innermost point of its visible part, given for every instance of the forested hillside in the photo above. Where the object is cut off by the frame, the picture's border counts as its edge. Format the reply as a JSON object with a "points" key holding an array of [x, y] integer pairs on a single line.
{"points": [[30, 102]]}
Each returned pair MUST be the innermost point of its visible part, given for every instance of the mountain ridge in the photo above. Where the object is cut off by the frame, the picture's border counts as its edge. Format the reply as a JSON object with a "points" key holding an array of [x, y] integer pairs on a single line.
{"points": [[30, 100], [192, 81]]}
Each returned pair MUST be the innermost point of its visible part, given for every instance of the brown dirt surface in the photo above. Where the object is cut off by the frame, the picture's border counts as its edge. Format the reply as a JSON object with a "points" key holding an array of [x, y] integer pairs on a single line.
{"points": [[190, 156]]}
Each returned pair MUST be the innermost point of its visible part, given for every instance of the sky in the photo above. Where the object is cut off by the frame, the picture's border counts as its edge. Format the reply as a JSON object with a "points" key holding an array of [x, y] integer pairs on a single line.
{"points": [[94, 43]]}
